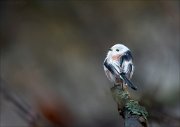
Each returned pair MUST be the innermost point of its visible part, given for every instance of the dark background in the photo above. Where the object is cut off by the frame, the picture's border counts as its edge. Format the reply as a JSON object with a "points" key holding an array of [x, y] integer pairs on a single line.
{"points": [[54, 50]]}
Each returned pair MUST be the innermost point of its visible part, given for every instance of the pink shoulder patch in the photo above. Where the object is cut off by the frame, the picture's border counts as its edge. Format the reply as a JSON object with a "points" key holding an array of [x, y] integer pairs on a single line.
{"points": [[116, 57]]}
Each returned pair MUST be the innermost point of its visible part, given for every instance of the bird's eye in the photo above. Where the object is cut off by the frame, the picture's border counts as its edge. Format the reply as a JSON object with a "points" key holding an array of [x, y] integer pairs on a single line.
{"points": [[117, 50], [110, 49]]}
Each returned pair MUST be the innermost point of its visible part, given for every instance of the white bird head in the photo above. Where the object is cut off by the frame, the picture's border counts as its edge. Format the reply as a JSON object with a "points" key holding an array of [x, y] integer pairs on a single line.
{"points": [[117, 50]]}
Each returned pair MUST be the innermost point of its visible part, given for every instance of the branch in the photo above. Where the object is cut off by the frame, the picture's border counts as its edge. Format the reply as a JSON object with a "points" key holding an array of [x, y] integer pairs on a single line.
{"points": [[133, 114]]}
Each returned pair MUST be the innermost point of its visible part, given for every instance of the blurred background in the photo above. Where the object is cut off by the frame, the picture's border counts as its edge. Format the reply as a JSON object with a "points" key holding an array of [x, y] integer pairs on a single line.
{"points": [[52, 54]]}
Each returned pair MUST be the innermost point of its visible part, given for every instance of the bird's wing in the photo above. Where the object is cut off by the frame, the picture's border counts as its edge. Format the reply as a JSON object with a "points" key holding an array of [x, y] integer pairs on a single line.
{"points": [[127, 68], [127, 56], [111, 68], [130, 70], [126, 64]]}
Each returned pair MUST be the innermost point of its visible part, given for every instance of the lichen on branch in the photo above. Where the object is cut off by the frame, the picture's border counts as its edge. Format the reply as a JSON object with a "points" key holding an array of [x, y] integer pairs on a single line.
{"points": [[133, 113]]}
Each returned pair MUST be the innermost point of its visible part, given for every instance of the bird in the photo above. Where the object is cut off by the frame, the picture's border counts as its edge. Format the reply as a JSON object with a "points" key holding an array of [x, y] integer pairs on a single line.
{"points": [[119, 67]]}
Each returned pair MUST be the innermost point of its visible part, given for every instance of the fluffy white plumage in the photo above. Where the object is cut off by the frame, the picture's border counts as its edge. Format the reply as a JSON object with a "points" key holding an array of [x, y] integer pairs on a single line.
{"points": [[118, 65]]}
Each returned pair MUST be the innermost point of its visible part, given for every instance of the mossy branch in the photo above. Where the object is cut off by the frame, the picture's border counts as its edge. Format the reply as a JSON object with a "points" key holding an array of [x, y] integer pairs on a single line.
{"points": [[134, 115]]}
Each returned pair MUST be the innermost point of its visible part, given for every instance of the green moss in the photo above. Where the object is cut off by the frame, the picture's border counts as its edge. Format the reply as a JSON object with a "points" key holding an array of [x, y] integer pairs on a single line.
{"points": [[134, 108], [125, 103], [120, 96]]}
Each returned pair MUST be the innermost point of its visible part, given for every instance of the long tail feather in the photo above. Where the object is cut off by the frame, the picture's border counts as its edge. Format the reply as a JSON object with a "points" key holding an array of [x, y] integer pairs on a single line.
{"points": [[130, 84]]}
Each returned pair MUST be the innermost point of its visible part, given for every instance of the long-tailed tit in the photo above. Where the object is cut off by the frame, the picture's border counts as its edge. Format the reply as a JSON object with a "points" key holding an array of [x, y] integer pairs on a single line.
{"points": [[118, 65]]}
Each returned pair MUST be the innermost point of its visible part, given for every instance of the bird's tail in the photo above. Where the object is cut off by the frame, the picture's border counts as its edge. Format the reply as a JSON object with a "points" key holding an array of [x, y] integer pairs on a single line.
{"points": [[129, 83]]}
